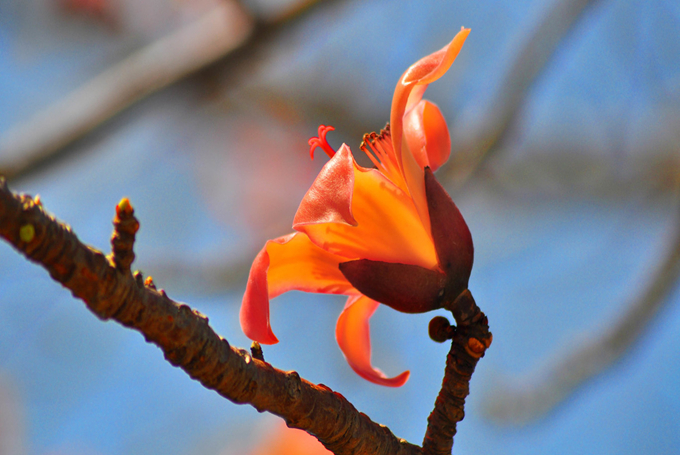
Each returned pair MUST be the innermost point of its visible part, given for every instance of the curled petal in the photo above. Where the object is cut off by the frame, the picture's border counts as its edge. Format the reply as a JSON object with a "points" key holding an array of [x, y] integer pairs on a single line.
{"points": [[352, 333], [415, 97], [430, 68], [427, 135], [424, 71], [254, 314], [287, 263], [404, 287], [388, 228], [451, 236], [329, 200]]}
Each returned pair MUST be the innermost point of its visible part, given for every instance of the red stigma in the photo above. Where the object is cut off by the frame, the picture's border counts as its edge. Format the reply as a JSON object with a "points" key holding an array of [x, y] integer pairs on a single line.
{"points": [[321, 142]]}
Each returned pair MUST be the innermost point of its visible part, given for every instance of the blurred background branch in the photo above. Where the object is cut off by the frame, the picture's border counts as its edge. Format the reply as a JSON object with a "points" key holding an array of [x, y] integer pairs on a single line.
{"points": [[535, 47], [202, 42], [533, 51], [529, 396]]}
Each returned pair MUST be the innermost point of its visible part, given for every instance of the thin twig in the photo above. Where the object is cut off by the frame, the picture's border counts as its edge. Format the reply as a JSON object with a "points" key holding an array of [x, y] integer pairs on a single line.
{"points": [[550, 385], [470, 340], [111, 291], [538, 46]]}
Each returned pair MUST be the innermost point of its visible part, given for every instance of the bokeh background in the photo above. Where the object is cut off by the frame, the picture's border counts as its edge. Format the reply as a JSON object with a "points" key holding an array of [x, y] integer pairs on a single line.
{"points": [[565, 123]]}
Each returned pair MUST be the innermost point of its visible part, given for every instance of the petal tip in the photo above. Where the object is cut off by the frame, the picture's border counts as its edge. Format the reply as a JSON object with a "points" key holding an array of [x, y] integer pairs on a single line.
{"points": [[377, 377], [253, 326], [352, 334], [329, 200], [254, 312]]}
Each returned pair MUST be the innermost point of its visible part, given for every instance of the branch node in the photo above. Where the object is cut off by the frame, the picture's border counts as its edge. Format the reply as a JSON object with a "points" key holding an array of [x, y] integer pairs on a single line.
{"points": [[475, 348], [149, 283], [27, 233], [139, 278], [256, 351], [464, 309], [440, 329], [125, 226]]}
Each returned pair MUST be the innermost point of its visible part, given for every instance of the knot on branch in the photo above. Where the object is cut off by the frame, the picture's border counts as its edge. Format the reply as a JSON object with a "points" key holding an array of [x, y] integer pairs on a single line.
{"points": [[440, 329], [477, 347], [125, 226], [293, 384], [256, 351], [148, 282]]}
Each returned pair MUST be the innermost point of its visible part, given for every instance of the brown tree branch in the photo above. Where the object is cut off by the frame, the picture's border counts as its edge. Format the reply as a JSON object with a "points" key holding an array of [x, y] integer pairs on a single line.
{"points": [[111, 291], [471, 338]]}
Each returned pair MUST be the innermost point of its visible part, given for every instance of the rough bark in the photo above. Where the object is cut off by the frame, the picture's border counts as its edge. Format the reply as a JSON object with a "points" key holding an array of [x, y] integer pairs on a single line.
{"points": [[112, 292], [470, 339]]}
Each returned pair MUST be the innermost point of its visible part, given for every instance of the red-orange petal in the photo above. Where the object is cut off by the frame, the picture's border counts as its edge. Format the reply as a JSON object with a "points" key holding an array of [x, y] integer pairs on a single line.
{"points": [[329, 200], [389, 228], [427, 135], [291, 262], [353, 336], [425, 71], [282, 440]]}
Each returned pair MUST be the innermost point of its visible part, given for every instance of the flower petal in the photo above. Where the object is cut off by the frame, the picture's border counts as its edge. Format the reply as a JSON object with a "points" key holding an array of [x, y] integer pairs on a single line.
{"points": [[287, 263], [407, 94], [451, 235], [406, 288], [353, 336], [413, 176], [280, 439], [329, 200], [388, 226], [424, 71], [427, 135]]}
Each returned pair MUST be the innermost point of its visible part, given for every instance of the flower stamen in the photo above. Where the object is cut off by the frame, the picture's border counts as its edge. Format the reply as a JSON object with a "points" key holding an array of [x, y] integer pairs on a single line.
{"points": [[371, 154], [378, 148], [321, 142]]}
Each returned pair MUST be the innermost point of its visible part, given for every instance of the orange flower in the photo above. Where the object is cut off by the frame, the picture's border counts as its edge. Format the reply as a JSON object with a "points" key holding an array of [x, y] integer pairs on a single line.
{"points": [[389, 234], [282, 440]]}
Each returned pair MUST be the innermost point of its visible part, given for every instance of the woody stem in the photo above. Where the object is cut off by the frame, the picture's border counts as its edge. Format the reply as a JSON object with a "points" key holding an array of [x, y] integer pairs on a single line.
{"points": [[469, 343], [111, 291]]}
